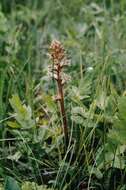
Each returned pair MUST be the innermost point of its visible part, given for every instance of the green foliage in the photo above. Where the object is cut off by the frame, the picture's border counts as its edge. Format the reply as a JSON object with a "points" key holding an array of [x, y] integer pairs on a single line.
{"points": [[113, 153], [22, 114], [31, 138], [118, 132], [11, 184], [34, 186], [1, 187]]}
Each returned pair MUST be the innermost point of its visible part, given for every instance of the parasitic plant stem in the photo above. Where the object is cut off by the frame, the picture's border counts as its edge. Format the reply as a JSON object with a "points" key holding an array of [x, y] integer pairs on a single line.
{"points": [[58, 56], [62, 108]]}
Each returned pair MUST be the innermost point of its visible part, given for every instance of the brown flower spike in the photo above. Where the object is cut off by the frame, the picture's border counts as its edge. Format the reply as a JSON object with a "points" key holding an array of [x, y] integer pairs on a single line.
{"points": [[58, 56]]}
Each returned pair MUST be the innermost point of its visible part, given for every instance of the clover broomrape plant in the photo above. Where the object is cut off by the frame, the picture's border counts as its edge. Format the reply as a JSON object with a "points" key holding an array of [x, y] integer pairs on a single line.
{"points": [[60, 60]]}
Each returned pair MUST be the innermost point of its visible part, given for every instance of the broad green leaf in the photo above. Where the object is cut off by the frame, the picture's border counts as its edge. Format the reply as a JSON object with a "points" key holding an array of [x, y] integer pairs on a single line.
{"points": [[33, 186], [122, 110], [48, 100], [1, 187], [95, 171], [111, 156], [15, 157], [11, 184], [118, 131], [13, 125], [23, 114]]}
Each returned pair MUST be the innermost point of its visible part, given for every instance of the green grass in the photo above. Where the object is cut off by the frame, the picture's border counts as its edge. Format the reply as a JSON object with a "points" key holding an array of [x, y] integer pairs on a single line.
{"points": [[31, 139]]}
